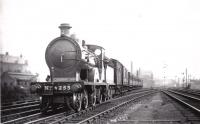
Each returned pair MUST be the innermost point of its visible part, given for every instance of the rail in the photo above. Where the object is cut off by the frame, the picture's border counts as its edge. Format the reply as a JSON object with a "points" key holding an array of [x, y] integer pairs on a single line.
{"points": [[183, 102]]}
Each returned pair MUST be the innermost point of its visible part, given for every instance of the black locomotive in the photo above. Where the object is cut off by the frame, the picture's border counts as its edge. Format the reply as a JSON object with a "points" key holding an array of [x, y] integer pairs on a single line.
{"points": [[80, 75]]}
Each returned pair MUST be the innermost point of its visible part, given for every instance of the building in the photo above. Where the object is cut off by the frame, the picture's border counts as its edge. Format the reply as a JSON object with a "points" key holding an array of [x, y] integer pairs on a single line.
{"points": [[147, 77], [195, 84], [15, 77]]}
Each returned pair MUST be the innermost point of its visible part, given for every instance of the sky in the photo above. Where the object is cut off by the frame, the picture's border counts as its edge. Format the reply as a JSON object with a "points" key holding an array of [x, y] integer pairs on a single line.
{"points": [[161, 36]]}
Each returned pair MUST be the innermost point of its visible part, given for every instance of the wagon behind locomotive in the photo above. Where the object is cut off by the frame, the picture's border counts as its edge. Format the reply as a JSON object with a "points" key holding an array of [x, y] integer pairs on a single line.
{"points": [[122, 77]]}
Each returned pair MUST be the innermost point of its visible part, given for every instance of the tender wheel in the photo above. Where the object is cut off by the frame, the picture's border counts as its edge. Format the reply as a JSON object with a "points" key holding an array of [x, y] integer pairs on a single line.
{"points": [[100, 99], [104, 97], [77, 100], [44, 104], [85, 100], [110, 93], [105, 94]]}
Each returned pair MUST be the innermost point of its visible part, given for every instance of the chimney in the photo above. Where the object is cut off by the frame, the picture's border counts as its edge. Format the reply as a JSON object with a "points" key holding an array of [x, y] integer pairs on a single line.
{"points": [[64, 28]]}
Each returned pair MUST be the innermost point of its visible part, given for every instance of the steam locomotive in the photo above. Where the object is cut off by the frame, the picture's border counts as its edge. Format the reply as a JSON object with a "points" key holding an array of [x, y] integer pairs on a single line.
{"points": [[80, 75]]}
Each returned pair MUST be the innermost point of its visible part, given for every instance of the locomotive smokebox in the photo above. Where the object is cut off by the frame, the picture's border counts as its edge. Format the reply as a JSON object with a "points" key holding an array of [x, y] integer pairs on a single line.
{"points": [[64, 55]]}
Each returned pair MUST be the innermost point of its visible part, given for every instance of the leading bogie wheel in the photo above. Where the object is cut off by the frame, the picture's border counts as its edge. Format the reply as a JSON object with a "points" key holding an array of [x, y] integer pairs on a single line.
{"points": [[77, 101]]}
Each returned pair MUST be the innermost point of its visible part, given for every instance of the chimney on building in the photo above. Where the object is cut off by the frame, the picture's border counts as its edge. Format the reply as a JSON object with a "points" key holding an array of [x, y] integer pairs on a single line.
{"points": [[64, 28]]}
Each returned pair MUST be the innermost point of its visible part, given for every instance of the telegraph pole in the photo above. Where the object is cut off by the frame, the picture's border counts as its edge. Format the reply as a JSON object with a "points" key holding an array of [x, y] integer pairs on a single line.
{"points": [[186, 77], [164, 68]]}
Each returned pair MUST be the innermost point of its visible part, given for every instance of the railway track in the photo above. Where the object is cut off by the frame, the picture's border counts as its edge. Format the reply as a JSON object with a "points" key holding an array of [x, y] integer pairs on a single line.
{"points": [[188, 92], [92, 113], [19, 115], [20, 109], [15, 105], [100, 111], [39, 118], [18, 102], [190, 102]]}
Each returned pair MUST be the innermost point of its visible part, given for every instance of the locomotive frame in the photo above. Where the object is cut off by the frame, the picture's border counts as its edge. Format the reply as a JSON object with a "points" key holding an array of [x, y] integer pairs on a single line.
{"points": [[78, 75]]}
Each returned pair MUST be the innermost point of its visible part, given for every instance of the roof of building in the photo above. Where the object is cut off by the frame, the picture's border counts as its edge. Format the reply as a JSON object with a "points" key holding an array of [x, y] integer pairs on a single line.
{"points": [[21, 76]]}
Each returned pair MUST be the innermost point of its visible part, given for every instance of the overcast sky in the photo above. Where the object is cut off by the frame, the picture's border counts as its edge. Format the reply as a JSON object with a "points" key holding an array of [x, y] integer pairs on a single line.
{"points": [[151, 33]]}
